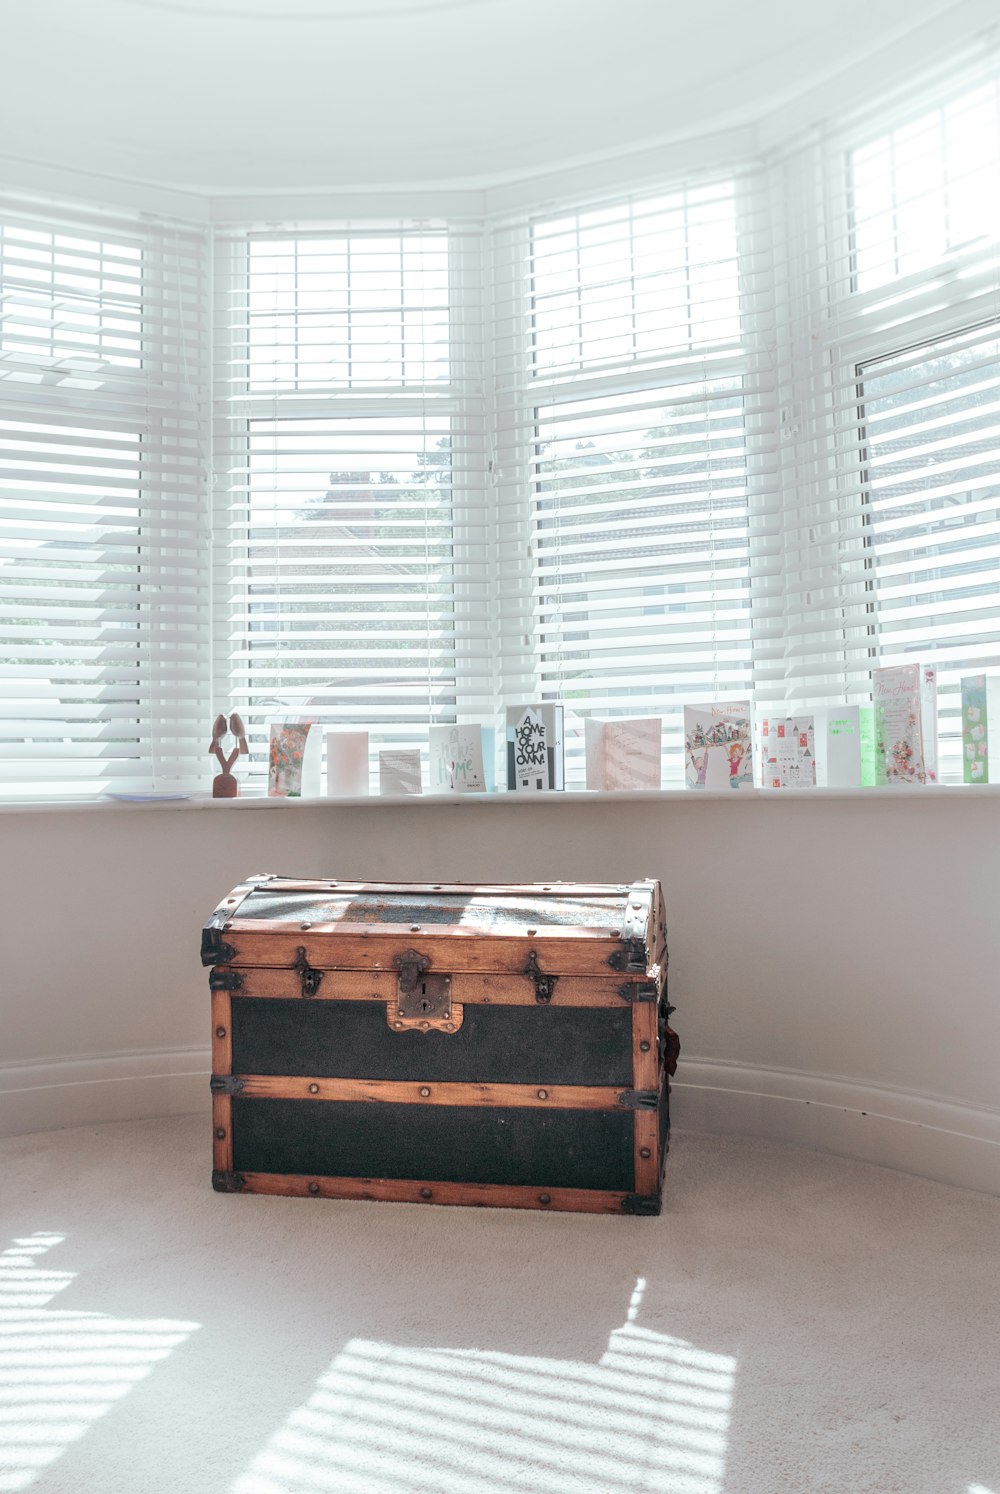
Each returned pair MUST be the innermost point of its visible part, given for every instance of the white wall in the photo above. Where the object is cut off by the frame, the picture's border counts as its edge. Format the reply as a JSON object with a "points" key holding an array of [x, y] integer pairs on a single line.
{"points": [[833, 960]]}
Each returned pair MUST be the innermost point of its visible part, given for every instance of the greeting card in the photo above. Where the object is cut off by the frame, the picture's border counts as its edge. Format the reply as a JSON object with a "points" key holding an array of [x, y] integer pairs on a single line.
{"points": [[905, 701], [399, 771], [461, 759], [845, 747], [624, 754], [346, 763], [842, 747], [718, 749], [869, 747], [980, 725], [534, 748], [293, 760], [789, 751]]}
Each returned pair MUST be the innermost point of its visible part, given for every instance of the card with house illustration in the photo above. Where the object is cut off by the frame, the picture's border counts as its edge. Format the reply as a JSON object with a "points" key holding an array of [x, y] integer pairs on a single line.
{"points": [[788, 745], [535, 748], [718, 748]]}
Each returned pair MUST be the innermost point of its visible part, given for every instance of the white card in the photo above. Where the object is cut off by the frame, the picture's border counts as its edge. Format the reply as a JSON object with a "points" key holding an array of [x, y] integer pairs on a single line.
{"points": [[593, 736], [346, 763], [841, 737], [399, 772], [632, 753], [624, 754]]}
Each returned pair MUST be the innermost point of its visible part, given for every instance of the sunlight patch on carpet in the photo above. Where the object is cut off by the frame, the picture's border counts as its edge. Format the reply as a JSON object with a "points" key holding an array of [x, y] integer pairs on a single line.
{"points": [[61, 1371], [652, 1414]]}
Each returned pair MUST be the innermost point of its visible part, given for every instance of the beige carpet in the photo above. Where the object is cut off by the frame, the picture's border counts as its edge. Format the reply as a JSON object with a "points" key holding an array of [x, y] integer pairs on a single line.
{"points": [[793, 1322]]}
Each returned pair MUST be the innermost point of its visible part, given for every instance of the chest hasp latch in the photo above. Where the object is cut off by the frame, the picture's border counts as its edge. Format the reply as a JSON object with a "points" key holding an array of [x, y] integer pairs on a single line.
{"points": [[310, 978], [544, 984]]}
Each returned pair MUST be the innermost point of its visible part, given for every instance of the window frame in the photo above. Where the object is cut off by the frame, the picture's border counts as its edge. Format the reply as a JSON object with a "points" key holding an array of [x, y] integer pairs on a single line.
{"points": [[239, 406], [153, 393]]}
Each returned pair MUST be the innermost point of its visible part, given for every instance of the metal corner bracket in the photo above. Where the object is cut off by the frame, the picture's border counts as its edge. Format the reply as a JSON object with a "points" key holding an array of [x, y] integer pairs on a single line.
{"points": [[214, 949], [639, 1099], [639, 990], [228, 1182], [227, 1084], [631, 955], [641, 1203], [225, 980]]}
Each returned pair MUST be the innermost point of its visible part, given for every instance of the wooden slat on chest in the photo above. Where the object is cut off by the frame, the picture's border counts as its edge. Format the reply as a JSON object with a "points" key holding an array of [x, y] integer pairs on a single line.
{"points": [[401, 1190], [467, 987], [391, 1092], [566, 951]]}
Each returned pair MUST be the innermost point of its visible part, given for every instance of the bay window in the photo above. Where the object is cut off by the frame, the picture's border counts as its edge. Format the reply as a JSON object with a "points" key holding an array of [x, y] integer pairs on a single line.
{"points": [[733, 437]]}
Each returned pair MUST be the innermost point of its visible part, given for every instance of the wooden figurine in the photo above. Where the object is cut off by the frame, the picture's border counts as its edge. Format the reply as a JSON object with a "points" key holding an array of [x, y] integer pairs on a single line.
{"points": [[224, 784]]}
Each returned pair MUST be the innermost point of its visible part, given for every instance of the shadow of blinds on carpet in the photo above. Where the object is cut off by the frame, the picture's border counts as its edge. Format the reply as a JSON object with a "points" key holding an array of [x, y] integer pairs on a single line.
{"points": [[652, 1413], [60, 1372]]}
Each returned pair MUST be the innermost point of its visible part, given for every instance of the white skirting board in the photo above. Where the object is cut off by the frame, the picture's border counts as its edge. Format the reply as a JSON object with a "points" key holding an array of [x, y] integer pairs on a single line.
{"points": [[930, 1136], [86, 1091]]}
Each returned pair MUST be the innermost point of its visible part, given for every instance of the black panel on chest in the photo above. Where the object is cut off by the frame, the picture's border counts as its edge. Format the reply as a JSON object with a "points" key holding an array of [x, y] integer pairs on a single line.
{"points": [[449, 1143], [495, 1044]]}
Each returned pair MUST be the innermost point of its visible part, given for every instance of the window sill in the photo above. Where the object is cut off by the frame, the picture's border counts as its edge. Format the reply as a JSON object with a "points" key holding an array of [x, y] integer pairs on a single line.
{"points": [[573, 796]]}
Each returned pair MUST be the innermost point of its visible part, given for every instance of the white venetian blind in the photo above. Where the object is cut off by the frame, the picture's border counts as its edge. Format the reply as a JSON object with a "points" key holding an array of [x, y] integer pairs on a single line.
{"points": [[887, 525], [103, 518], [352, 588], [629, 409]]}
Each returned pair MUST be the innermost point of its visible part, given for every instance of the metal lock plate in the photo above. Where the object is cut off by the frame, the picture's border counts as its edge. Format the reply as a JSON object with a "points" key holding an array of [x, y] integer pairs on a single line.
{"points": [[423, 999], [429, 997]]}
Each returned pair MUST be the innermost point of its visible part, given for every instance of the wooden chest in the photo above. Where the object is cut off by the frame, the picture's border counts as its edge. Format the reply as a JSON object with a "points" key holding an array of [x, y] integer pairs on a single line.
{"points": [[503, 1045]]}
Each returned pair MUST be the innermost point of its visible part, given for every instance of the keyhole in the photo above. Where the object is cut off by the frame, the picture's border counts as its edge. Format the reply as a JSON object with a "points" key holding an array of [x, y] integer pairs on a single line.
{"points": [[425, 1005]]}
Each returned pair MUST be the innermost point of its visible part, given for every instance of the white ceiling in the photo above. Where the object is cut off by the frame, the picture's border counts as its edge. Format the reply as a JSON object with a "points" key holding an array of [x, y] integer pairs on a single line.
{"points": [[241, 96]]}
